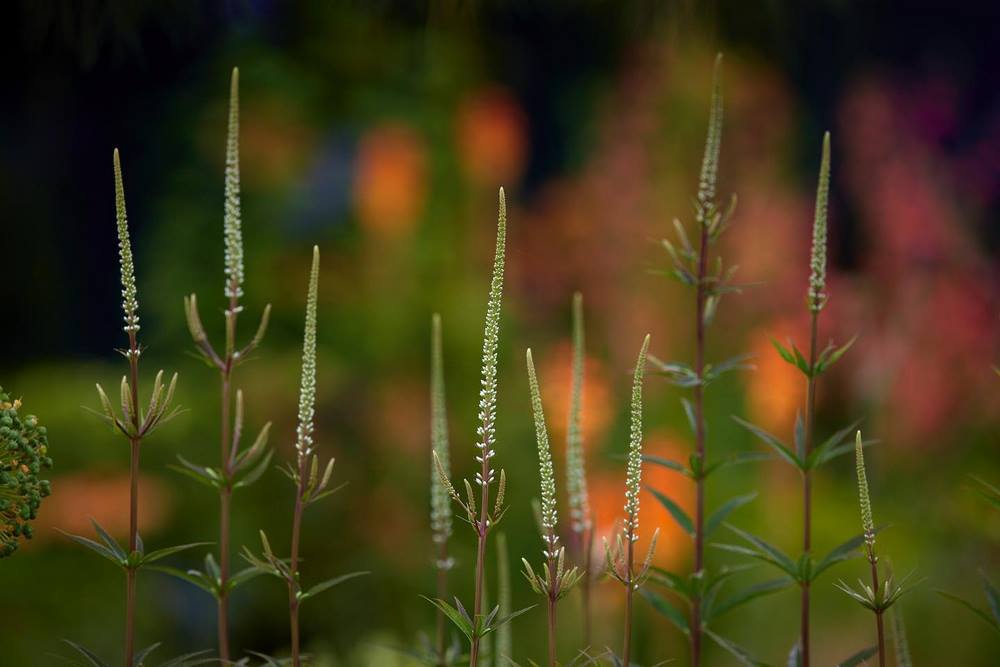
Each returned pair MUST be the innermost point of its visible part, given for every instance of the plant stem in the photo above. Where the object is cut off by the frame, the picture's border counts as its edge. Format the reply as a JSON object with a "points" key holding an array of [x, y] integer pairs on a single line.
{"points": [[227, 450], [878, 614], [293, 581], [699, 418], [442, 594], [552, 631], [480, 557], [627, 648], [807, 482], [587, 538], [135, 444]]}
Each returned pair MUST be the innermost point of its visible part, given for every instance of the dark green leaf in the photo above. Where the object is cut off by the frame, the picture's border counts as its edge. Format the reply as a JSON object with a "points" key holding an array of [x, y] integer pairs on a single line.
{"points": [[453, 615], [992, 597], [842, 552], [153, 556], [859, 657], [674, 582], [973, 608], [773, 442], [715, 520], [99, 549], [663, 606], [503, 620], [667, 463], [832, 354], [765, 551], [800, 437], [747, 594], [330, 583], [740, 653], [191, 576], [109, 541], [679, 515], [91, 657], [139, 658], [829, 449], [689, 413]]}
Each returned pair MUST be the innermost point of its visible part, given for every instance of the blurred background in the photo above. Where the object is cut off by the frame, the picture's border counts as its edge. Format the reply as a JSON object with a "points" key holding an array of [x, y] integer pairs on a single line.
{"points": [[381, 131]]}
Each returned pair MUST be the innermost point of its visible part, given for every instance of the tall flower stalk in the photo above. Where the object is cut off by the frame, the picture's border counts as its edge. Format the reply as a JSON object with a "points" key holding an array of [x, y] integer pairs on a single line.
{"points": [[236, 468], [134, 423], [556, 581], [581, 519], [879, 596], [441, 519], [310, 485], [621, 557], [816, 301], [482, 517]]}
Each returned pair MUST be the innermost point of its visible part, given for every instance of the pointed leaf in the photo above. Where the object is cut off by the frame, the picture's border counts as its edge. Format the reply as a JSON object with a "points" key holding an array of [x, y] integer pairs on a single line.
{"points": [[663, 606], [773, 442], [859, 658], [989, 620], [679, 515], [719, 516], [91, 657], [738, 652], [747, 594], [153, 556], [330, 583]]}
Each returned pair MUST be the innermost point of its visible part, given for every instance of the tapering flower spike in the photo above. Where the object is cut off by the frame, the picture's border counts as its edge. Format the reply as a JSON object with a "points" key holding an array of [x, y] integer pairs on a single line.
{"points": [[491, 338], [867, 522], [576, 475], [441, 519], [307, 391], [545, 469], [231, 219], [130, 295], [817, 263], [633, 475], [710, 161]]}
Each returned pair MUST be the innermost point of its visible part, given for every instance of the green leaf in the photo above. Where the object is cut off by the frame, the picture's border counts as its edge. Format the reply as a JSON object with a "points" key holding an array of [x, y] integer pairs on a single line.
{"points": [[244, 576], [987, 491], [91, 657], [153, 556], [504, 620], [842, 552], [255, 473], [663, 606], [747, 594], [973, 608], [679, 515], [738, 652], [833, 446], [737, 363], [668, 463], [992, 597], [831, 355], [330, 583], [109, 541], [99, 549], [719, 516], [799, 436], [191, 659], [795, 656], [779, 447], [736, 459], [859, 657], [674, 582], [139, 658], [783, 351], [763, 551], [689, 413], [193, 577], [453, 615]]}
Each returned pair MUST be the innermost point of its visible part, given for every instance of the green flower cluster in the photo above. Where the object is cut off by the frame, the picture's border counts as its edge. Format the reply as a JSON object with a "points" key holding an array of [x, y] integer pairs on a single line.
{"points": [[23, 455]]}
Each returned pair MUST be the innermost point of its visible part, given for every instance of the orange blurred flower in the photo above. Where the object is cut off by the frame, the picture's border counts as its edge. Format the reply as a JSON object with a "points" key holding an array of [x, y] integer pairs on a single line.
{"points": [[491, 134], [776, 391], [390, 184], [105, 498]]}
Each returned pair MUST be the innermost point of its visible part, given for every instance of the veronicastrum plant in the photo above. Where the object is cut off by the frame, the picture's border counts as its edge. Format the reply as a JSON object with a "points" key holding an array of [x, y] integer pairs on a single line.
{"points": [[805, 456], [876, 597], [620, 558], [555, 581], [237, 468], [24, 453], [477, 625], [135, 424], [310, 485], [695, 266]]}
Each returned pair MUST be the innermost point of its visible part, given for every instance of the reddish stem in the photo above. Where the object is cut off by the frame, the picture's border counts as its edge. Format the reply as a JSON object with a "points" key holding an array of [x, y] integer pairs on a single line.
{"points": [[807, 483], [699, 419]]}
